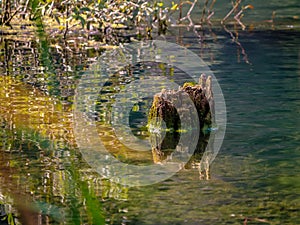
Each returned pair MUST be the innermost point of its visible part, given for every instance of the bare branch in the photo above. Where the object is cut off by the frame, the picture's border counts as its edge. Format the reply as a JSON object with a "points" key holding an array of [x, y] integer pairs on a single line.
{"points": [[238, 2]]}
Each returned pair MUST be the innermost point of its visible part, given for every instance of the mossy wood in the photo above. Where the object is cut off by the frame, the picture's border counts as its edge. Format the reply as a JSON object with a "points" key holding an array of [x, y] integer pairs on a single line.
{"points": [[164, 118], [163, 106]]}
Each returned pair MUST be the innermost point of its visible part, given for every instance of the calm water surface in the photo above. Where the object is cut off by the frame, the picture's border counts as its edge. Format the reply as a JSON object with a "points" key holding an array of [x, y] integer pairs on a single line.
{"points": [[256, 173], [255, 178]]}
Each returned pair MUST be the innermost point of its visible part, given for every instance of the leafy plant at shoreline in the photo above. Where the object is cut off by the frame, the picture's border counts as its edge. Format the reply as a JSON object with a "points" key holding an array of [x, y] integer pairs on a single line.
{"points": [[91, 15], [103, 18], [98, 14], [102, 15]]}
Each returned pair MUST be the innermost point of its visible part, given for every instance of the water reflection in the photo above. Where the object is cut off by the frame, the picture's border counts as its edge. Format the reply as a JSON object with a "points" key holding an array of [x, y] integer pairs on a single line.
{"points": [[256, 175], [37, 138]]}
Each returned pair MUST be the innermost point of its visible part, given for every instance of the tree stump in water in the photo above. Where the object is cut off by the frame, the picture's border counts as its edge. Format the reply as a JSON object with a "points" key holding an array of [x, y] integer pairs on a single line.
{"points": [[167, 111], [167, 104]]}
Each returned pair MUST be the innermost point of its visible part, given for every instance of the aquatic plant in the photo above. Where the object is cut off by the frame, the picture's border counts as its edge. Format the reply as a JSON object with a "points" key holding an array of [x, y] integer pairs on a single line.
{"points": [[105, 19], [91, 15]]}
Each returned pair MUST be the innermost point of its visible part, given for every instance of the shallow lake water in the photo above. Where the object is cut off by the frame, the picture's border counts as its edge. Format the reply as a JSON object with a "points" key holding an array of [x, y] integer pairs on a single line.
{"points": [[255, 178]]}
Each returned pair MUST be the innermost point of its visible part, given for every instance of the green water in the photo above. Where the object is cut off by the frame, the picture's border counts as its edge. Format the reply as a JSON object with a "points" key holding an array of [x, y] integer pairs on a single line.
{"points": [[254, 178]]}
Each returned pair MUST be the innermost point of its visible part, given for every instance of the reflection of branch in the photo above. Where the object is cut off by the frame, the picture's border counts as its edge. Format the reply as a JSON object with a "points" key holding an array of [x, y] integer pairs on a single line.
{"points": [[235, 40], [210, 13]]}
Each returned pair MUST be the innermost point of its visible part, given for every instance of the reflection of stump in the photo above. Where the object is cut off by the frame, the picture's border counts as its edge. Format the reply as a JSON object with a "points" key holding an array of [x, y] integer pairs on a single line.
{"points": [[165, 125], [163, 149]]}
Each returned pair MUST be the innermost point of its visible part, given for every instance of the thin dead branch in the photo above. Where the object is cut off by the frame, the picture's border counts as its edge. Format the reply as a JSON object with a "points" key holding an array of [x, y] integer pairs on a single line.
{"points": [[234, 8], [188, 15]]}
